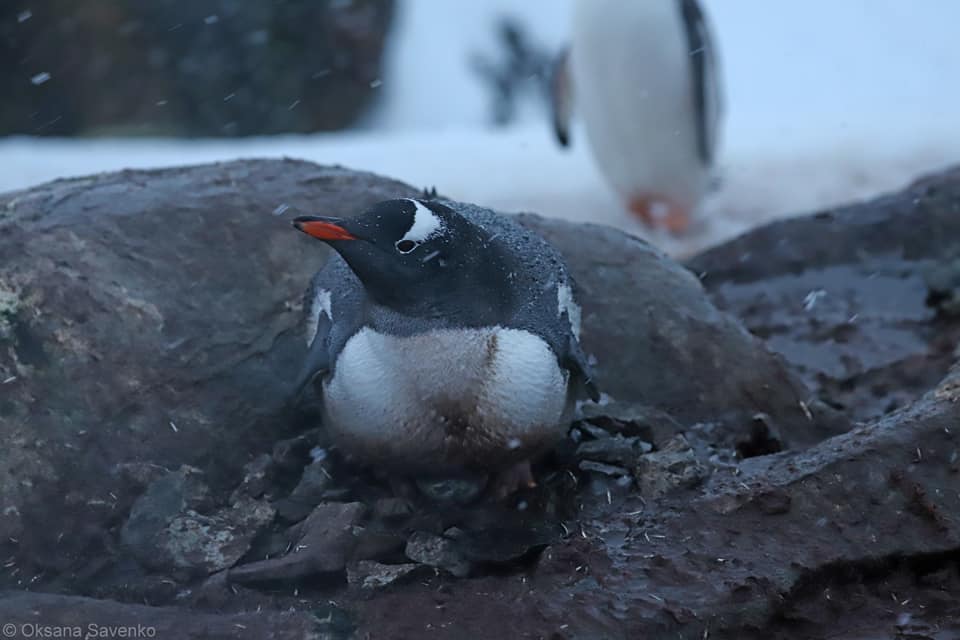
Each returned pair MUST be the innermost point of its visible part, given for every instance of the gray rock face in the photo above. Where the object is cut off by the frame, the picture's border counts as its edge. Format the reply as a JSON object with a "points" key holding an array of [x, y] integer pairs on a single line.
{"points": [[165, 531], [676, 466], [849, 296], [685, 357], [438, 552], [324, 545], [370, 575]]}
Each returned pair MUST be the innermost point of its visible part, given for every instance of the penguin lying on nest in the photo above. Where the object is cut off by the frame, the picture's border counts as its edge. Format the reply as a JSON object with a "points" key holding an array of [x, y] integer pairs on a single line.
{"points": [[645, 79], [444, 339]]}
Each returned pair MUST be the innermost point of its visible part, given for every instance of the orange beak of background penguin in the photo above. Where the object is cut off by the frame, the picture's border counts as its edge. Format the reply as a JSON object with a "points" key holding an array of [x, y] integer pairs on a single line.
{"points": [[323, 228]]}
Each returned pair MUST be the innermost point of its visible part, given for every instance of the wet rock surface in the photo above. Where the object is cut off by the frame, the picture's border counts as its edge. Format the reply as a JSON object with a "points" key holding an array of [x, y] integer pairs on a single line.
{"points": [[860, 300], [151, 455]]}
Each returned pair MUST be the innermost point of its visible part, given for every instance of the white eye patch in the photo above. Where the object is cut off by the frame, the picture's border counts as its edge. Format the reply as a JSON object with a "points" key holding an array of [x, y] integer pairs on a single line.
{"points": [[425, 225]]}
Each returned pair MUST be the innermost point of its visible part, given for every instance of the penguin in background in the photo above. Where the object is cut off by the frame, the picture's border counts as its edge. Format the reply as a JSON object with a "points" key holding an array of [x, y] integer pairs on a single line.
{"points": [[643, 76]]}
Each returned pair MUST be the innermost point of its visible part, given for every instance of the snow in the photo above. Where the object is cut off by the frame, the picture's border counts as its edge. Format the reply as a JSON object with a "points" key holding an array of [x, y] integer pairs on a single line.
{"points": [[827, 102]]}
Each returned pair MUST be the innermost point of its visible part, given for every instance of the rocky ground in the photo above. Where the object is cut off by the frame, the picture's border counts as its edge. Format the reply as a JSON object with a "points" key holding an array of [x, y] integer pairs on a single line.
{"points": [[776, 454]]}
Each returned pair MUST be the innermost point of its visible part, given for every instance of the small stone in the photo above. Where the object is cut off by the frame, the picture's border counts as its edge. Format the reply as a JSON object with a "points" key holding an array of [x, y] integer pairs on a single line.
{"points": [[370, 575], [308, 493], [631, 420], [615, 450], [438, 552], [325, 544], [605, 469], [256, 477], [168, 532], [675, 466]]}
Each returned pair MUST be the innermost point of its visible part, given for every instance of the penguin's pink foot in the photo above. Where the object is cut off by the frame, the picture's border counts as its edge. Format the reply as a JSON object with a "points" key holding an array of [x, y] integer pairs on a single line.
{"points": [[512, 479], [659, 213]]}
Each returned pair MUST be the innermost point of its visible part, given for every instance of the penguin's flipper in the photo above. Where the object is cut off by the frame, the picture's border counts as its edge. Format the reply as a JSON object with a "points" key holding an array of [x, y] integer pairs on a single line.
{"points": [[561, 97], [575, 361], [317, 361]]}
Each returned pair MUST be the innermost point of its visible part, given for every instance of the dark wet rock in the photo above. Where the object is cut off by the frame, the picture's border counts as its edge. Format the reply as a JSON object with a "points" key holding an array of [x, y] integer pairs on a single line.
{"points": [[94, 617], [615, 450], [733, 557], [165, 532], [308, 493], [370, 575], [686, 358], [675, 466], [203, 68], [324, 544], [438, 552], [632, 420], [504, 543], [379, 543], [851, 296]]}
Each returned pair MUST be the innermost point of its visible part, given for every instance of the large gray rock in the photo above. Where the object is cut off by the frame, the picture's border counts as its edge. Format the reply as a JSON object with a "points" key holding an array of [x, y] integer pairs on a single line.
{"points": [[173, 529], [153, 316], [858, 299]]}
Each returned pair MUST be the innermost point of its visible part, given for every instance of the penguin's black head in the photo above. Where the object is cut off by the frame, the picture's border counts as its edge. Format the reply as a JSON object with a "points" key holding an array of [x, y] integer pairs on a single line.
{"points": [[419, 257]]}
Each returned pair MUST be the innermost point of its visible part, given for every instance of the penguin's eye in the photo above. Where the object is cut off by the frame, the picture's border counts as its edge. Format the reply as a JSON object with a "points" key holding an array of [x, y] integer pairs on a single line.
{"points": [[406, 246]]}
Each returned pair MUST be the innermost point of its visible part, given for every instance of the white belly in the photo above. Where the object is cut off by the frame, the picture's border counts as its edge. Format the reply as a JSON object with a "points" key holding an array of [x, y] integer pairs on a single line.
{"points": [[632, 83], [444, 400]]}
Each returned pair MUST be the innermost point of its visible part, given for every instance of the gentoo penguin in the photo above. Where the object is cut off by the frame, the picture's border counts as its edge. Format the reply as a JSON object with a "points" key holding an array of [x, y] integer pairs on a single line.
{"points": [[643, 75], [444, 339]]}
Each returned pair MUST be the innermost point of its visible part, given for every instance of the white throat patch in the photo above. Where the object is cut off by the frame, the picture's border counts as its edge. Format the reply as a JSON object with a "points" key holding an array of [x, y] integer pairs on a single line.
{"points": [[425, 225]]}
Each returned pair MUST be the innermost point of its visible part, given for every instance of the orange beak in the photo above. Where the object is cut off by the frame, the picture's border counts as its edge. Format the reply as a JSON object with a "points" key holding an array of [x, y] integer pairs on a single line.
{"points": [[323, 228]]}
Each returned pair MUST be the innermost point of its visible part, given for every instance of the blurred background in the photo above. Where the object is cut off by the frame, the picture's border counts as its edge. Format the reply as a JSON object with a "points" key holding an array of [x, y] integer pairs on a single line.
{"points": [[826, 101]]}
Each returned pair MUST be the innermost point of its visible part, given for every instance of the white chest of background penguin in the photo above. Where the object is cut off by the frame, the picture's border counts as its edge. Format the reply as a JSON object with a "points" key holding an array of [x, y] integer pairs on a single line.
{"points": [[643, 75], [444, 337]]}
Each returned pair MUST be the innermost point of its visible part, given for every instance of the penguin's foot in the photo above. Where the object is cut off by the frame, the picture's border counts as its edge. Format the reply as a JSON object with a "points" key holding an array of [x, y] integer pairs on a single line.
{"points": [[513, 479], [659, 213]]}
